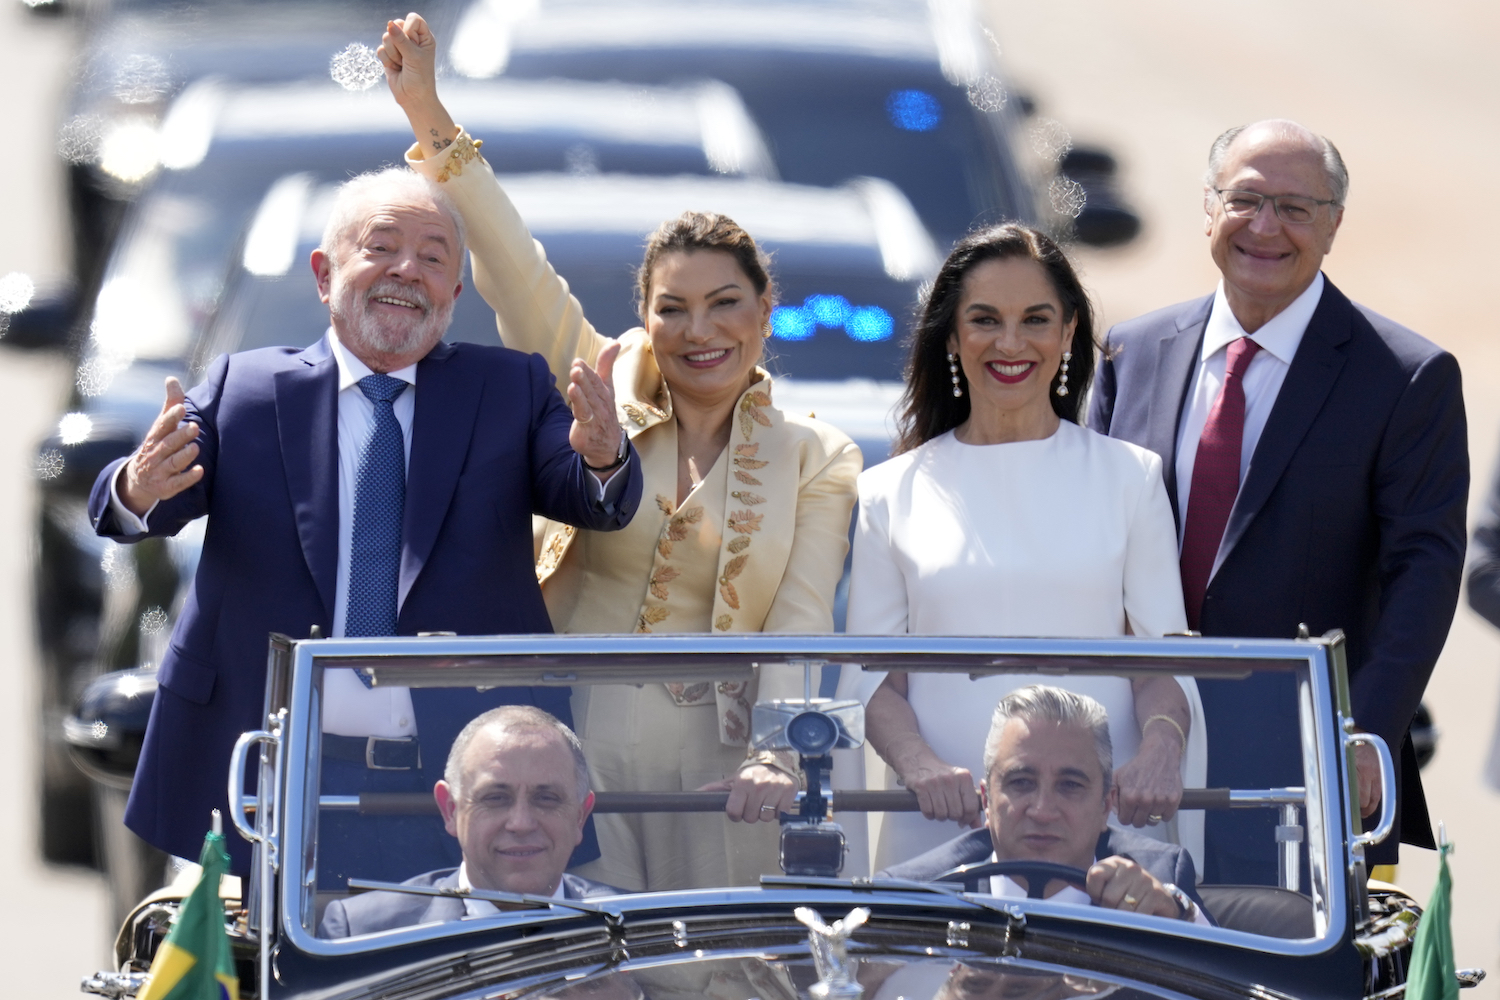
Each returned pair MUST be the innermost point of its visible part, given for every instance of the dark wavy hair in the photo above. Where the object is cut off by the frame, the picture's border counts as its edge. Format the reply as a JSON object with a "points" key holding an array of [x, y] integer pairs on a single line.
{"points": [[928, 407], [702, 231]]}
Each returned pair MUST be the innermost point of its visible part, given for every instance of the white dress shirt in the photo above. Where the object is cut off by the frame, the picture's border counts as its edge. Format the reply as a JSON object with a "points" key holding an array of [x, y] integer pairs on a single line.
{"points": [[483, 907], [1001, 885], [350, 708], [1278, 339]]}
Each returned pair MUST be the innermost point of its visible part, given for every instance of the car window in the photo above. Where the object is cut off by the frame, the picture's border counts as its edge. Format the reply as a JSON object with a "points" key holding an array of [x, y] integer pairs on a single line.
{"points": [[1052, 786]]}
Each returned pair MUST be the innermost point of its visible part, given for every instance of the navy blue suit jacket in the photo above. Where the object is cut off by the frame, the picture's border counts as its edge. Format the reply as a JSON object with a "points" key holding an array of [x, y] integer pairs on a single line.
{"points": [[384, 911], [1165, 862], [489, 447], [1350, 516]]}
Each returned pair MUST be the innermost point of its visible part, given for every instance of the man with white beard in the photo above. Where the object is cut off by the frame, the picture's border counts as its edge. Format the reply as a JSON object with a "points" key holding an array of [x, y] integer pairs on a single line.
{"points": [[380, 482]]}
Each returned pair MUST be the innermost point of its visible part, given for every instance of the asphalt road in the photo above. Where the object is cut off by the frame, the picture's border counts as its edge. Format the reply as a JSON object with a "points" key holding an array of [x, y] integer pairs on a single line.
{"points": [[1408, 93]]}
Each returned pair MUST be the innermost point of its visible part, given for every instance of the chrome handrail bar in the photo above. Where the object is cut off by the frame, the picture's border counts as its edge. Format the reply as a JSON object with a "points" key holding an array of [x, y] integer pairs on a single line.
{"points": [[844, 800], [1387, 820]]}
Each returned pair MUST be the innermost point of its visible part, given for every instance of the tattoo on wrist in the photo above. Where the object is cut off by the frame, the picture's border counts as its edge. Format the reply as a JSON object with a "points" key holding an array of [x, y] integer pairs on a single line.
{"points": [[437, 142]]}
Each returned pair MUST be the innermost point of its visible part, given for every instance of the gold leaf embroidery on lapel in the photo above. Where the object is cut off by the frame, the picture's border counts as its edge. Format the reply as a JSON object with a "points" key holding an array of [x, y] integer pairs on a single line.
{"points": [[665, 548], [634, 413], [732, 569], [751, 463], [748, 450], [730, 595], [739, 545], [664, 504], [746, 478], [677, 528], [659, 581], [744, 521], [689, 694], [746, 497], [723, 623], [734, 726], [657, 413], [651, 616]]}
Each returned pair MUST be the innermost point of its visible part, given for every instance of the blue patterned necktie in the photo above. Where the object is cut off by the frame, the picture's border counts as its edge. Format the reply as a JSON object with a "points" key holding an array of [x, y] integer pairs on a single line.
{"points": [[379, 501]]}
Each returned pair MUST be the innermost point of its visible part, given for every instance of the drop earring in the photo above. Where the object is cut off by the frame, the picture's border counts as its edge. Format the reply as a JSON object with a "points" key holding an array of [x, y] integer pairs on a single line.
{"points": [[1062, 376], [953, 371]]}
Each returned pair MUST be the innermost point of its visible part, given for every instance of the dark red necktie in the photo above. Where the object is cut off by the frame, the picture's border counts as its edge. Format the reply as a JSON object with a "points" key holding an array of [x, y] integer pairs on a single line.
{"points": [[1216, 480]]}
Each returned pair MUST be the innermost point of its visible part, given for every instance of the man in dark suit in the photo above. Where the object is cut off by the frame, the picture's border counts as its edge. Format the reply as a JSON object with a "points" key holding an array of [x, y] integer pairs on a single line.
{"points": [[1316, 457], [1048, 792], [380, 482], [516, 795]]}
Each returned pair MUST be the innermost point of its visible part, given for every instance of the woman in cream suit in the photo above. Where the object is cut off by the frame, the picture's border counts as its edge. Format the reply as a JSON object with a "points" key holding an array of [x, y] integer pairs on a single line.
{"points": [[1000, 515], [744, 523]]}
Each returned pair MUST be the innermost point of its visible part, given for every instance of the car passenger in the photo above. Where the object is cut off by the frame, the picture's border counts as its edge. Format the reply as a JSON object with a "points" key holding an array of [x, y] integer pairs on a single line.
{"points": [[750, 523], [516, 794], [1048, 795]]}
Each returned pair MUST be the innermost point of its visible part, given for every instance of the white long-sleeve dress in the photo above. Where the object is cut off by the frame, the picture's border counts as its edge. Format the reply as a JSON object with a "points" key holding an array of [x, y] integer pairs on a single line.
{"points": [[1070, 536]]}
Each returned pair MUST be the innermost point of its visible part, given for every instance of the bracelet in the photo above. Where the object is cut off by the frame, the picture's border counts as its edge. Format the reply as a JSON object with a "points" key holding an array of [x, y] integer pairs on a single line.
{"points": [[620, 457], [769, 758], [1174, 724]]}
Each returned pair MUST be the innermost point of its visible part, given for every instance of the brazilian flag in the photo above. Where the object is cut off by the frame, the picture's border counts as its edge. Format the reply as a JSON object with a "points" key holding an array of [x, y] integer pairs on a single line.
{"points": [[1431, 975], [194, 962]]}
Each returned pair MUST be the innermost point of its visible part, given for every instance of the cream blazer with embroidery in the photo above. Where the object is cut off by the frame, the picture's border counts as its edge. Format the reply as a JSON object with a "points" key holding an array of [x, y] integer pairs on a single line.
{"points": [[759, 544]]}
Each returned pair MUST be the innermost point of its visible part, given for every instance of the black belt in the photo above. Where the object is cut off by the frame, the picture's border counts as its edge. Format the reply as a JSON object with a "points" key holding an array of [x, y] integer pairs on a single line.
{"points": [[378, 753]]}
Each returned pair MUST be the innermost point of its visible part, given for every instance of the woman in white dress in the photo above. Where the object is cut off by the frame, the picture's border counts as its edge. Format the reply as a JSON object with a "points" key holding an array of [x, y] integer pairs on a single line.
{"points": [[1001, 515]]}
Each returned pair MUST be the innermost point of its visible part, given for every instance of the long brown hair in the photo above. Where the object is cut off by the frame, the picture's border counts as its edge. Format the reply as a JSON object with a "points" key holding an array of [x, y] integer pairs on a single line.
{"points": [[929, 407]]}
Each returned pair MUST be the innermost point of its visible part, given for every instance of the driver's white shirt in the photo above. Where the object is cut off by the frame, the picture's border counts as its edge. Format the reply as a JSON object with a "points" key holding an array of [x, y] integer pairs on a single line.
{"points": [[483, 907], [1001, 885]]}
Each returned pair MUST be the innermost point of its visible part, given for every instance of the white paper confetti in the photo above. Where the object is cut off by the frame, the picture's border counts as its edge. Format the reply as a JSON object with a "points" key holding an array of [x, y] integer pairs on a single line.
{"points": [[1050, 140], [16, 290], [356, 67], [1067, 196]]}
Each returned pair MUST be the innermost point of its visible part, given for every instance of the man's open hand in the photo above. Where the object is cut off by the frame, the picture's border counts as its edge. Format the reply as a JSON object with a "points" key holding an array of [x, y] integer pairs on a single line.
{"points": [[162, 466], [591, 395]]}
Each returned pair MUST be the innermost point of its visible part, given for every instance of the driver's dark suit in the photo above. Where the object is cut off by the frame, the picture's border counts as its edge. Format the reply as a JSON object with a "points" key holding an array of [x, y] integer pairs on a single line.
{"points": [[1165, 862]]}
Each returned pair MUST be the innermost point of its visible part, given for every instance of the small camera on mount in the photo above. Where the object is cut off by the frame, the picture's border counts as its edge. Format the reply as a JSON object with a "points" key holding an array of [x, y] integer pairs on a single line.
{"points": [[811, 844]]}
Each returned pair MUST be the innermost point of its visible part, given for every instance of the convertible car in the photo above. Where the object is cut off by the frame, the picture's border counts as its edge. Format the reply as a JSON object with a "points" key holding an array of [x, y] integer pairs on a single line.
{"points": [[823, 925]]}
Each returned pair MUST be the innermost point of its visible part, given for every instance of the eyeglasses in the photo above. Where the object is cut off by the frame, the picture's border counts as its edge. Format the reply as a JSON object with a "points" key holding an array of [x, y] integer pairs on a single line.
{"points": [[1293, 209]]}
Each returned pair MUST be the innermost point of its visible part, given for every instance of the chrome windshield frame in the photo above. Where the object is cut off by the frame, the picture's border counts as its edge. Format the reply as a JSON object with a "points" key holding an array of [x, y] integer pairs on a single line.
{"points": [[564, 660]]}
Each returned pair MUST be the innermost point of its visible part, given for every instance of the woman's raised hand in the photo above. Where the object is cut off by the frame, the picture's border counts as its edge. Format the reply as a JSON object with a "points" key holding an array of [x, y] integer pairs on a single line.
{"points": [[944, 791], [408, 51], [1150, 783]]}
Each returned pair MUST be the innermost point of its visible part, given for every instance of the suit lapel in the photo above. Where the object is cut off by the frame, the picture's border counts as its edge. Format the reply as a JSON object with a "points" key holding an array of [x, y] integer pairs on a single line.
{"points": [[307, 426], [1177, 354], [1309, 380], [447, 400], [444, 908]]}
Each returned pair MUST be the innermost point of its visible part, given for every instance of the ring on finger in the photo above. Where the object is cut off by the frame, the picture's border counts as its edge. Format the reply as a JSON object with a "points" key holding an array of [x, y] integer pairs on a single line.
{"points": [[1154, 818], [583, 421], [1131, 901], [766, 807]]}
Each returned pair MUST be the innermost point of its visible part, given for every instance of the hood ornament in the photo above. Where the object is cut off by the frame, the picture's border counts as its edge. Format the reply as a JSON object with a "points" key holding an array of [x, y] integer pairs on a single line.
{"points": [[829, 946]]}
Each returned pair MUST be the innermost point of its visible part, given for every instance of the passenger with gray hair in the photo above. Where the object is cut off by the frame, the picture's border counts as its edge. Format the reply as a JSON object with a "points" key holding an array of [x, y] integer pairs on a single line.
{"points": [[378, 482], [515, 793], [1316, 457], [1048, 792]]}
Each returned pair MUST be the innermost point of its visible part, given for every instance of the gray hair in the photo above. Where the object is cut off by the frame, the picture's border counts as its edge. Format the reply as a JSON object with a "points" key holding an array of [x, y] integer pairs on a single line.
{"points": [[1333, 163], [506, 718], [351, 204], [1043, 703]]}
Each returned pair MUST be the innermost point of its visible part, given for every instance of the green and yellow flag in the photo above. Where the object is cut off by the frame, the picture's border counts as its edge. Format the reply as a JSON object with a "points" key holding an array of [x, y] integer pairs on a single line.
{"points": [[1431, 975], [194, 962]]}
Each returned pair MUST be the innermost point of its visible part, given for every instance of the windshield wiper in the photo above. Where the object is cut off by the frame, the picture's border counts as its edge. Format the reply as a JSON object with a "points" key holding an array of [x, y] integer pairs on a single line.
{"points": [[519, 900]]}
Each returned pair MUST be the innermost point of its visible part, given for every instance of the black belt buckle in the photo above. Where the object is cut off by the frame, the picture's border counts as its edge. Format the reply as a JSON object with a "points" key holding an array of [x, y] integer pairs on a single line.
{"points": [[386, 754]]}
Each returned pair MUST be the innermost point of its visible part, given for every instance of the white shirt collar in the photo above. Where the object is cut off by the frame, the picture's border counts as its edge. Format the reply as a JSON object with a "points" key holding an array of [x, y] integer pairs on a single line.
{"points": [[351, 369], [465, 885], [1003, 886], [1279, 337]]}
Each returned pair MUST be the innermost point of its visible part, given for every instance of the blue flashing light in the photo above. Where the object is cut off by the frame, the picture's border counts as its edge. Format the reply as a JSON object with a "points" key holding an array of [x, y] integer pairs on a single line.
{"points": [[913, 110], [864, 324], [868, 324], [828, 310], [792, 323]]}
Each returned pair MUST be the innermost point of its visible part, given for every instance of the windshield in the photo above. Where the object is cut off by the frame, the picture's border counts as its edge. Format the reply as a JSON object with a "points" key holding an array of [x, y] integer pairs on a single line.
{"points": [[449, 822]]}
